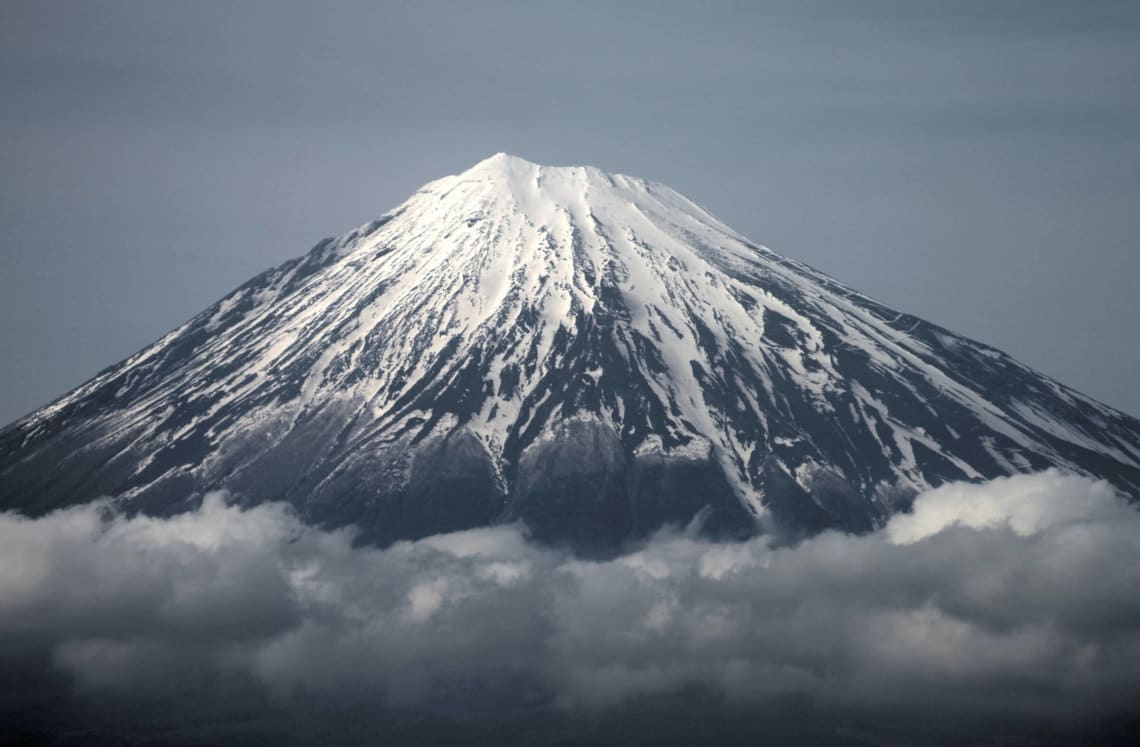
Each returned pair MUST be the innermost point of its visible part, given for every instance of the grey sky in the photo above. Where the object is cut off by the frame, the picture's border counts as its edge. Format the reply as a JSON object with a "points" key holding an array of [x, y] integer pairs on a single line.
{"points": [[977, 164]]}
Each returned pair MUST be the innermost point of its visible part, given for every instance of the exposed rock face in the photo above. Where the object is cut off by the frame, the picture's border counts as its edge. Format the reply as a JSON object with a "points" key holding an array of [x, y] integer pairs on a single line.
{"points": [[593, 354]]}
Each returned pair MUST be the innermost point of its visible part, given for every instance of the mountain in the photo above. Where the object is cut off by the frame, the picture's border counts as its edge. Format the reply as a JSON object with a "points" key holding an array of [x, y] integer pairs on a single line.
{"points": [[594, 354]]}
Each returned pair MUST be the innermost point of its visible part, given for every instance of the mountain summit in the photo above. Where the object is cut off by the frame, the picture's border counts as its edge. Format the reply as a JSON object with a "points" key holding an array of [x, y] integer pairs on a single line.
{"points": [[592, 353]]}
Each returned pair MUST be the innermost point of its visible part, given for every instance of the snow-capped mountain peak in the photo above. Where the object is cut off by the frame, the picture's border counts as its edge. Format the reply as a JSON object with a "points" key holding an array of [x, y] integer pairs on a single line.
{"points": [[594, 353]]}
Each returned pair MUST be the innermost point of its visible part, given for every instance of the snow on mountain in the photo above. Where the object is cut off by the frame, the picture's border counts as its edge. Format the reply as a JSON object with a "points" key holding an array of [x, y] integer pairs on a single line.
{"points": [[593, 353]]}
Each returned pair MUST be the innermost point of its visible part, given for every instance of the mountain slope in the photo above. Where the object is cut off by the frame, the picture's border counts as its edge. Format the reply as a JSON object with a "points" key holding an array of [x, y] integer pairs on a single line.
{"points": [[593, 353]]}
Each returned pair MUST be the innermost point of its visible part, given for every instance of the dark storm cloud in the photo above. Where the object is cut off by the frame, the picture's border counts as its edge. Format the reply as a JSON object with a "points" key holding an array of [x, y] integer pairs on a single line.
{"points": [[974, 162], [1014, 598]]}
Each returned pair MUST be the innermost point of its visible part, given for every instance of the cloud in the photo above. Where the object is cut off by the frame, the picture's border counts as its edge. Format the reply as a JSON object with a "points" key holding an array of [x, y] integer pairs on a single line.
{"points": [[1015, 598], [1028, 505]]}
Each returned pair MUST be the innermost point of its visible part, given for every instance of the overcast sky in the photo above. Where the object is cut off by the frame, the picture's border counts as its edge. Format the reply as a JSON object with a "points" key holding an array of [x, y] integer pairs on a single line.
{"points": [[977, 164]]}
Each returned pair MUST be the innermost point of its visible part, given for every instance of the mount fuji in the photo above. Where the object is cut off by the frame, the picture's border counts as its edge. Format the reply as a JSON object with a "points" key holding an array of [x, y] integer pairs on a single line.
{"points": [[593, 354]]}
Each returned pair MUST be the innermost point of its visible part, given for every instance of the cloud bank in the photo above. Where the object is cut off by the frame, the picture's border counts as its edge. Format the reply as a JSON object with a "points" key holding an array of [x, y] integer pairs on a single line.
{"points": [[1014, 600]]}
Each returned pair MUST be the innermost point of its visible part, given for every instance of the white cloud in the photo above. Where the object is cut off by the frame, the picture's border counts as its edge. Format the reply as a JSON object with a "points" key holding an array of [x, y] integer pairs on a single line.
{"points": [[1016, 594], [1028, 504]]}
